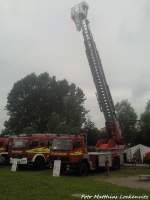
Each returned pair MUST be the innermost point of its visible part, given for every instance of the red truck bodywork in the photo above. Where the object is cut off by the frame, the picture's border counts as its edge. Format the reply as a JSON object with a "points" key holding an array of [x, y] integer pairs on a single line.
{"points": [[76, 156], [32, 150], [4, 148]]}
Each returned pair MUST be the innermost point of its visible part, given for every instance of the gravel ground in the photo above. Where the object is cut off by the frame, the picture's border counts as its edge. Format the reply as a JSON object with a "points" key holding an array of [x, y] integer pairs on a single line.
{"points": [[131, 182]]}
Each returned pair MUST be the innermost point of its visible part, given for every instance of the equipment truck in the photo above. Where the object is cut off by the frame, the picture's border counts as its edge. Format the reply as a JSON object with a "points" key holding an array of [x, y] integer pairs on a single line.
{"points": [[72, 150]]}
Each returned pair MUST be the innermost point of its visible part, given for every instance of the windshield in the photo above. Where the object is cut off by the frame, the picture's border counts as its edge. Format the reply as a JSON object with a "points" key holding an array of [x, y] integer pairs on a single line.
{"points": [[21, 143], [62, 145]]}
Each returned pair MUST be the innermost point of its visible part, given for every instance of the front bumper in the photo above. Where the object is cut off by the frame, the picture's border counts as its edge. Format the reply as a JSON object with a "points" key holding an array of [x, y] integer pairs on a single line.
{"points": [[20, 161], [66, 165]]}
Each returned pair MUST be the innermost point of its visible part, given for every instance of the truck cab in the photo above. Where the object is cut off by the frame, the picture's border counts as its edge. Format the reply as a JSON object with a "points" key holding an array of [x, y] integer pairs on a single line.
{"points": [[31, 150], [72, 151]]}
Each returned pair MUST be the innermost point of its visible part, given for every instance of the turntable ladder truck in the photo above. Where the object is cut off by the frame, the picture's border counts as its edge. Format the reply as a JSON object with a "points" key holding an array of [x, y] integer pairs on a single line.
{"points": [[73, 150], [105, 101]]}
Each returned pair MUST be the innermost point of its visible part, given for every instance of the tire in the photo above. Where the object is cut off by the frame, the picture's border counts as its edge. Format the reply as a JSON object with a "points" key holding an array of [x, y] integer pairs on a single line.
{"points": [[2, 160], [116, 163], [7, 160], [63, 170], [39, 163], [83, 169]]}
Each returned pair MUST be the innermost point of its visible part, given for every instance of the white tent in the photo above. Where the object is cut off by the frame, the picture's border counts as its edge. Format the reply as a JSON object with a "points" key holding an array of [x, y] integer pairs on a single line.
{"points": [[138, 151]]}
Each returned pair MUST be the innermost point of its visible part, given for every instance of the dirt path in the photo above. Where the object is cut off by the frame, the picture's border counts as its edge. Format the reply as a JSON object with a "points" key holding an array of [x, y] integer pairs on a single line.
{"points": [[131, 182]]}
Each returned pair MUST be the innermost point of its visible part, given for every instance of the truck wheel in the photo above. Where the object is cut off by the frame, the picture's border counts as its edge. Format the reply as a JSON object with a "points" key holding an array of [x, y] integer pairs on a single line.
{"points": [[7, 160], [39, 163], [63, 170], [83, 169], [2, 159], [116, 163]]}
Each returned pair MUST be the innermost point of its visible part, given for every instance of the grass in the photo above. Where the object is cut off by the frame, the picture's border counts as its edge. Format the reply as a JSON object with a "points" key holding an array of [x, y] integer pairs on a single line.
{"points": [[40, 185]]}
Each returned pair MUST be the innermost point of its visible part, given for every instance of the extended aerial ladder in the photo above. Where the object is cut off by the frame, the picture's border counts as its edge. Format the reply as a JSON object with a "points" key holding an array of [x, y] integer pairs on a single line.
{"points": [[106, 105]]}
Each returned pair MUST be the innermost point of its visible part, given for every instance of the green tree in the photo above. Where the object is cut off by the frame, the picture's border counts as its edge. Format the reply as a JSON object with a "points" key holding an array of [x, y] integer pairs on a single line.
{"points": [[73, 109], [53, 122], [40, 103], [127, 119], [145, 124], [92, 133]]}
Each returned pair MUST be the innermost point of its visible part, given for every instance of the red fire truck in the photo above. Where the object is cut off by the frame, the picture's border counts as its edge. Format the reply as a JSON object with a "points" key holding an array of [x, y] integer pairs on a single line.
{"points": [[4, 145], [32, 150], [72, 150], [77, 157]]}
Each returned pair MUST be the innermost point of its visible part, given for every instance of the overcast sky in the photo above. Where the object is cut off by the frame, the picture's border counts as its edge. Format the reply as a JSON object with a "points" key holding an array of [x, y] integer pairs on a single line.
{"points": [[39, 36]]}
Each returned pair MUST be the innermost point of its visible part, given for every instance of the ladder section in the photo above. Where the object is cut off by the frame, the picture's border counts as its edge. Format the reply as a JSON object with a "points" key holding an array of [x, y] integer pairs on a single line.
{"points": [[103, 93]]}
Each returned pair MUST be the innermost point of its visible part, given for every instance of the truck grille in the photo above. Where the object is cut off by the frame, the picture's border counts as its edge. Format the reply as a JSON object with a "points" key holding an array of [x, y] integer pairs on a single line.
{"points": [[63, 159]]}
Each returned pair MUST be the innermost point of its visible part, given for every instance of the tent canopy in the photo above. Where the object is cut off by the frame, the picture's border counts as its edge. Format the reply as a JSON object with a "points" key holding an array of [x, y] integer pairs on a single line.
{"points": [[138, 151]]}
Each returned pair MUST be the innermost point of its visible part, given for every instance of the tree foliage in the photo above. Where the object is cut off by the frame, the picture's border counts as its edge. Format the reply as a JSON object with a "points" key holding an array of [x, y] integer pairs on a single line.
{"points": [[127, 119], [145, 124], [93, 134], [41, 104]]}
